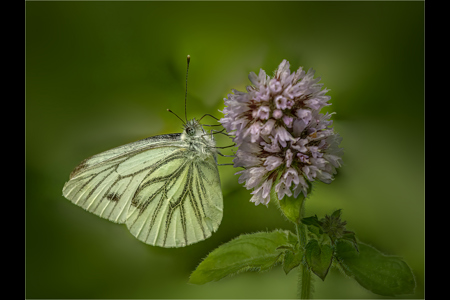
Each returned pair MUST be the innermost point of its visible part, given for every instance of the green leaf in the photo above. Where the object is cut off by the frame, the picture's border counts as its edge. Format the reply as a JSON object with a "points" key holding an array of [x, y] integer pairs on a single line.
{"points": [[291, 260], [379, 273], [286, 247], [290, 207], [315, 230], [314, 221], [350, 236], [319, 258], [336, 214], [249, 252]]}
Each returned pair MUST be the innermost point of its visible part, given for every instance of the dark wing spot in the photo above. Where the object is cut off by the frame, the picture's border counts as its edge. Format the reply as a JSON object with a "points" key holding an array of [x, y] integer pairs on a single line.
{"points": [[112, 197]]}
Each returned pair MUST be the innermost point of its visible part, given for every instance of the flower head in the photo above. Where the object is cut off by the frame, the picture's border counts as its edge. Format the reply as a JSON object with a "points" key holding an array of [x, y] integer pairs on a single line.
{"points": [[283, 140]]}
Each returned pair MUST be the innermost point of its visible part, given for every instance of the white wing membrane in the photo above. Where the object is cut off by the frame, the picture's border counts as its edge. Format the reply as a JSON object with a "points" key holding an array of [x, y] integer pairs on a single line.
{"points": [[178, 208], [104, 184], [166, 196]]}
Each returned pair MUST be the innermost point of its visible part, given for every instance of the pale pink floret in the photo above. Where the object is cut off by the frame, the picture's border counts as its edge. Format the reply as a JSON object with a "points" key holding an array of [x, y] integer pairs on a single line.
{"points": [[262, 194], [273, 162], [267, 128], [277, 114]]}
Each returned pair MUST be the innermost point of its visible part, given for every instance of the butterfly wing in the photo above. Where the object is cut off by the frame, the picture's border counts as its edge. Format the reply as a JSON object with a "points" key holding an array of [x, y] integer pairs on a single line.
{"points": [[105, 184], [166, 196], [179, 204]]}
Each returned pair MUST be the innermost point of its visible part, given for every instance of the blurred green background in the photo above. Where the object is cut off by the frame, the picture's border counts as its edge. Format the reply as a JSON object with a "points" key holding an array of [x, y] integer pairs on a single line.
{"points": [[101, 74]]}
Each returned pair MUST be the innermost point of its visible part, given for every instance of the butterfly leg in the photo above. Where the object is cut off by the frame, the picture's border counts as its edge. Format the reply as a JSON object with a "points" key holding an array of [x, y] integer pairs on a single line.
{"points": [[218, 131], [211, 125], [225, 146], [209, 116], [225, 155]]}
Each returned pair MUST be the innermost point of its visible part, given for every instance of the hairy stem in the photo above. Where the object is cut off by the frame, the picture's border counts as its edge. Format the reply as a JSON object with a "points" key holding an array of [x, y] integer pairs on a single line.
{"points": [[304, 274], [305, 284]]}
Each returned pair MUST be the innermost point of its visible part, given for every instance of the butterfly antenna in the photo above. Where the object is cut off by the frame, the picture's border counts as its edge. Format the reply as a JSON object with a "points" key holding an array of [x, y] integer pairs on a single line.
{"points": [[185, 95], [176, 115]]}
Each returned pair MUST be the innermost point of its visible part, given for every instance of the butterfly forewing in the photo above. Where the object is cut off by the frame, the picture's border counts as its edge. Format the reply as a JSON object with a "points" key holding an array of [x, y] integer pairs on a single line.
{"points": [[166, 196], [104, 184]]}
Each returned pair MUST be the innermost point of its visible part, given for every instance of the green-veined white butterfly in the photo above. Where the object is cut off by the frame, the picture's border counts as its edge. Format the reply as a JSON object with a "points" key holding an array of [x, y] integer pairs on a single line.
{"points": [[166, 188]]}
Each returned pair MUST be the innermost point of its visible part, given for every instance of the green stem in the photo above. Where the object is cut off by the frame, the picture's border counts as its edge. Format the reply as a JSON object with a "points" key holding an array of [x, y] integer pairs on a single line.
{"points": [[305, 284], [304, 274]]}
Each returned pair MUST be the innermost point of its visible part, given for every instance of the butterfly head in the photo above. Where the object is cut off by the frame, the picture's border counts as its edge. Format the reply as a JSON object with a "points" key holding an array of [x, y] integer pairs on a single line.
{"points": [[193, 129], [196, 136]]}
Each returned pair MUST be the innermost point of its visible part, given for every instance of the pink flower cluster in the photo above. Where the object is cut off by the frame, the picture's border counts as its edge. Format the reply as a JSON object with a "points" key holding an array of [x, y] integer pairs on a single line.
{"points": [[283, 141]]}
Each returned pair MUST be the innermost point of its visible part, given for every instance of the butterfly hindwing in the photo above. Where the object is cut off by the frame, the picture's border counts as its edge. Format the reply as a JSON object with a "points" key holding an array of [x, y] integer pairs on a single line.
{"points": [[180, 207]]}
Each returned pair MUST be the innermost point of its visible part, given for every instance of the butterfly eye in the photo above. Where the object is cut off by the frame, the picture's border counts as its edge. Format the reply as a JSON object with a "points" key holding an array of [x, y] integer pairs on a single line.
{"points": [[190, 131]]}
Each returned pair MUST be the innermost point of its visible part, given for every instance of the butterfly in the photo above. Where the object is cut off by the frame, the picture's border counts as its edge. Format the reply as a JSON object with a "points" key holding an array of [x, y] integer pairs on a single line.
{"points": [[165, 188]]}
